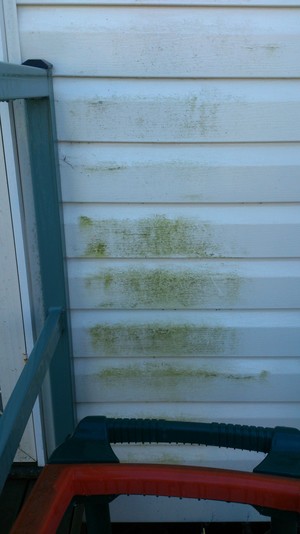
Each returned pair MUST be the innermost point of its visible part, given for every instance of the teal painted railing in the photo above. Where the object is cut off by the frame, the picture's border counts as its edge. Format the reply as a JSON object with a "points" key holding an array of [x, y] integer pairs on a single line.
{"points": [[32, 82], [20, 404]]}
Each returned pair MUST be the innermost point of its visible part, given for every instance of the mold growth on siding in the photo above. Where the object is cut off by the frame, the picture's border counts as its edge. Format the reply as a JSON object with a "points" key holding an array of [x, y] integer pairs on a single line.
{"points": [[85, 222], [161, 457], [271, 47], [208, 118], [163, 288], [200, 117], [101, 168], [156, 236], [159, 371], [159, 340], [178, 381], [95, 248]]}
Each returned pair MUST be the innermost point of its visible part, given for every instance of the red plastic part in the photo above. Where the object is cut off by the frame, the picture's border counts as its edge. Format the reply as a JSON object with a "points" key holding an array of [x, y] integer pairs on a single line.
{"points": [[57, 485]]}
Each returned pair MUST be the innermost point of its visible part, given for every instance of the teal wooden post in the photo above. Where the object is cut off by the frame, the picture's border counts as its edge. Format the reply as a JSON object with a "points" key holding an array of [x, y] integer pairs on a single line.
{"points": [[46, 190], [33, 83]]}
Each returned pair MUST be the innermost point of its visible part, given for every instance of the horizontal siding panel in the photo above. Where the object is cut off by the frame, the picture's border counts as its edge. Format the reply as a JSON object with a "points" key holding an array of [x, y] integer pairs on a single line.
{"points": [[169, 509], [187, 380], [254, 413], [177, 111], [181, 285], [164, 42], [155, 334], [183, 232], [183, 3], [144, 509], [180, 173], [188, 455]]}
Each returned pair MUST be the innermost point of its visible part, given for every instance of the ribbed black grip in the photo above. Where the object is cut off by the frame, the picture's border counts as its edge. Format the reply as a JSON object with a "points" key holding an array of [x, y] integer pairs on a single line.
{"points": [[244, 437]]}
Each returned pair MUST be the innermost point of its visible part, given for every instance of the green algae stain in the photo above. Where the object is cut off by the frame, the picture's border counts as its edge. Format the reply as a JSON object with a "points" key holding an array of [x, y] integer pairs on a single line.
{"points": [[171, 459], [160, 456], [85, 222], [208, 118], [201, 117], [157, 340], [168, 237], [263, 375], [168, 372], [156, 236], [174, 382], [163, 288], [102, 168], [108, 278], [96, 249]]}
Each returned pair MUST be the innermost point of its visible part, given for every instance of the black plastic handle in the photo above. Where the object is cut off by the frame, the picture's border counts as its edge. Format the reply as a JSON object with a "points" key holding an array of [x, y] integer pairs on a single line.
{"points": [[251, 438]]}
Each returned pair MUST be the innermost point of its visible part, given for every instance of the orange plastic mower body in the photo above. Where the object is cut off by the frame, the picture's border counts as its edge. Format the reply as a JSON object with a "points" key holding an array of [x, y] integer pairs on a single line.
{"points": [[58, 484]]}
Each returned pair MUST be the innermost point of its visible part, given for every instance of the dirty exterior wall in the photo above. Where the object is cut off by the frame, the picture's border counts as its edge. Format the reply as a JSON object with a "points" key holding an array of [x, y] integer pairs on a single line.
{"points": [[178, 126]]}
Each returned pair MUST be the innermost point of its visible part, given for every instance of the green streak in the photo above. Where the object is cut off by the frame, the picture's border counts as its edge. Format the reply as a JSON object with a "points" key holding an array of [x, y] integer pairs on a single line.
{"points": [[158, 340], [155, 236]]}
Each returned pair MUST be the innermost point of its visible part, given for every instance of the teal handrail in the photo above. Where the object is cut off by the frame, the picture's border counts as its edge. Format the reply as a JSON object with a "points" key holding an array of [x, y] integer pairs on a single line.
{"points": [[32, 82], [20, 404]]}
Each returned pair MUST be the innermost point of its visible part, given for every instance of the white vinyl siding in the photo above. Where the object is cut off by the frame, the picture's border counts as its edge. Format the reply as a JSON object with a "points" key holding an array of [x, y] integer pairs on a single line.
{"points": [[165, 42], [13, 352], [178, 128]]}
